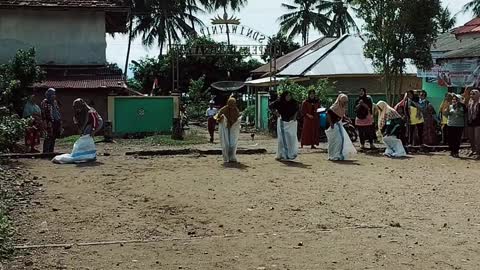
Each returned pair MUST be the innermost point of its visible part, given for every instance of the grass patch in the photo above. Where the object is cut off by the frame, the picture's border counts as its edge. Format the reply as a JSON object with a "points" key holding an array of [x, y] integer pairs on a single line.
{"points": [[6, 226], [72, 139], [192, 138]]}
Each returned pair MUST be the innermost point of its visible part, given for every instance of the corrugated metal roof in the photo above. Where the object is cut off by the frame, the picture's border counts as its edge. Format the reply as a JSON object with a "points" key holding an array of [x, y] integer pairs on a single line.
{"points": [[285, 60], [473, 50], [344, 56], [470, 27], [448, 42]]}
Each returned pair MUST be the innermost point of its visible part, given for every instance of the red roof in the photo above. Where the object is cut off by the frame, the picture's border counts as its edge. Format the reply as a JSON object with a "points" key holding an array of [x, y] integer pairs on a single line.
{"points": [[100, 4], [472, 27], [82, 78]]}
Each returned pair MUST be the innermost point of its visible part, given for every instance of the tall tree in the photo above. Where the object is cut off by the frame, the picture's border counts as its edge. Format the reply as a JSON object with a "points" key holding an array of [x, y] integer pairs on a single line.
{"points": [[281, 43], [445, 20], [166, 22], [342, 21], [397, 32], [473, 6], [234, 5], [301, 17]]}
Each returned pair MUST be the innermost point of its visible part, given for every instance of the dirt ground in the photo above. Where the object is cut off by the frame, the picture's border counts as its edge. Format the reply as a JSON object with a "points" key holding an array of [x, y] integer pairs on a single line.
{"points": [[192, 212]]}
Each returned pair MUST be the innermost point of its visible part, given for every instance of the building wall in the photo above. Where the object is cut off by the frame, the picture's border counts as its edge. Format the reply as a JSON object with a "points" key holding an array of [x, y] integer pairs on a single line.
{"points": [[373, 84], [65, 37], [98, 98]]}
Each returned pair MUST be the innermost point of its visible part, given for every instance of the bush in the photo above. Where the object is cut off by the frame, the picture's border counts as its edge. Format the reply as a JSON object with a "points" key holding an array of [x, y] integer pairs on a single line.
{"points": [[299, 92], [197, 99], [250, 113], [12, 129]]}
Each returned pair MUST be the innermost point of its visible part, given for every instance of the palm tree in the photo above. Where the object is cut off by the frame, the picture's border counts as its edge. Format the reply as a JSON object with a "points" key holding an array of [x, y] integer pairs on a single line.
{"points": [[224, 4], [194, 8], [473, 6], [165, 22], [301, 17], [341, 20], [445, 20]]}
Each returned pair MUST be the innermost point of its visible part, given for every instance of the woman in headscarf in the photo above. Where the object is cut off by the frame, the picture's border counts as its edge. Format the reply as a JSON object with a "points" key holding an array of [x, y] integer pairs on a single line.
{"points": [[444, 118], [457, 116], [286, 109], [32, 133], [392, 126], [229, 119], [474, 122], [340, 146], [52, 120], [364, 119], [429, 118], [88, 121], [311, 122]]}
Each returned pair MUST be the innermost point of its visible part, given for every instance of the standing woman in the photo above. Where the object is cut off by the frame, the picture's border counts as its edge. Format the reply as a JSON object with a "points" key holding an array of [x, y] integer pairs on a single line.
{"points": [[392, 126], [88, 121], [52, 120], [34, 128], [229, 120], [444, 118], [474, 122], [457, 114], [286, 109], [364, 119], [311, 122], [340, 146], [429, 118]]}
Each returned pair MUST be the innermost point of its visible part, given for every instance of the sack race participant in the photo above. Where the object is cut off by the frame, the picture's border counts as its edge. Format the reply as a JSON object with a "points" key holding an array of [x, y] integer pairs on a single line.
{"points": [[392, 126], [88, 121], [84, 150], [286, 108], [229, 120], [340, 147]]}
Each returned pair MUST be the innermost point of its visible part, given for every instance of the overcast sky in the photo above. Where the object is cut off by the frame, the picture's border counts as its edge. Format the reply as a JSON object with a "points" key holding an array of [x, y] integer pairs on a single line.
{"points": [[261, 15]]}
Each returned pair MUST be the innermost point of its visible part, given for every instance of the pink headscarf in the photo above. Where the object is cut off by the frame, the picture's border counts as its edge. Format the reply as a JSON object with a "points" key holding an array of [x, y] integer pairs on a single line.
{"points": [[473, 105]]}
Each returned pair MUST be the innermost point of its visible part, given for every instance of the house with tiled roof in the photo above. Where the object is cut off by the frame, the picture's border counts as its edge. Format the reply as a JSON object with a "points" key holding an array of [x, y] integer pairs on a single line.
{"points": [[69, 37]]}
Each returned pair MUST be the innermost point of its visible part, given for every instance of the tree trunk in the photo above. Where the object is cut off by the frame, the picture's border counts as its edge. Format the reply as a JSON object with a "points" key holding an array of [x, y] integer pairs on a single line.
{"points": [[228, 31], [130, 36]]}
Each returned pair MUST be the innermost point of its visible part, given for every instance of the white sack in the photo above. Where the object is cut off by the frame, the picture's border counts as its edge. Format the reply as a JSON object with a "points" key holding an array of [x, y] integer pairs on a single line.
{"points": [[287, 140], [84, 150], [394, 147], [229, 139], [340, 147]]}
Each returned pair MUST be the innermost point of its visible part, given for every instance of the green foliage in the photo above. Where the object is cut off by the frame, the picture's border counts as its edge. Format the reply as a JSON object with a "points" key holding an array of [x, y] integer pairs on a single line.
{"points": [[16, 77], [445, 20], [249, 112], [6, 235], [396, 32], [145, 71], [282, 44], [299, 92], [473, 6], [341, 21], [12, 129], [301, 18], [198, 99]]}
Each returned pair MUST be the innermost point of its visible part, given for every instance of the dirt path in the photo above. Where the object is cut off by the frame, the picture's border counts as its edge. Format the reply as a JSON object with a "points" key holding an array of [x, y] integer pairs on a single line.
{"points": [[377, 213]]}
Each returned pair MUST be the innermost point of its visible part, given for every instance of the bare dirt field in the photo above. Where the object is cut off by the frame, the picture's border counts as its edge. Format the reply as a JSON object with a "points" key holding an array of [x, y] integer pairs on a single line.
{"points": [[192, 212]]}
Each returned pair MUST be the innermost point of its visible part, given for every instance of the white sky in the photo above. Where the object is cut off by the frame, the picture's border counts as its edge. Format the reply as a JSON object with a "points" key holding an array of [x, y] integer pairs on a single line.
{"points": [[258, 14]]}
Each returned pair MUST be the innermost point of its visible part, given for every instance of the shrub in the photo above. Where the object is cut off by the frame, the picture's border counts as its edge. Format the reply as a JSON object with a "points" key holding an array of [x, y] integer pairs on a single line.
{"points": [[12, 129]]}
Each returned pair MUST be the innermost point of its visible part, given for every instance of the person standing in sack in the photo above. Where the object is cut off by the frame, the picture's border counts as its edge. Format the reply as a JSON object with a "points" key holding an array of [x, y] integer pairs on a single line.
{"points": [[364, 119], [311, 122], [392, 127], [34, 128], [340, 147], [444, 118], [286, 109], [211, 122], [457, 116], [229, 120], [88, 121], [52, 120], [430, 120]]}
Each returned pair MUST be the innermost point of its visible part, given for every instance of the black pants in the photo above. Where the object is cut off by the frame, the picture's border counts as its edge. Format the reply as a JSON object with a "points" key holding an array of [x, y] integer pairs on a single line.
{"points": [[455, 138], [445, 140], [411, 135], [366, 134], [49, 142]]}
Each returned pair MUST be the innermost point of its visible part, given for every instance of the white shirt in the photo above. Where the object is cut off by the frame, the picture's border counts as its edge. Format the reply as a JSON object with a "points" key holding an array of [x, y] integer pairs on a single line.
{"points": [[211, 112]]}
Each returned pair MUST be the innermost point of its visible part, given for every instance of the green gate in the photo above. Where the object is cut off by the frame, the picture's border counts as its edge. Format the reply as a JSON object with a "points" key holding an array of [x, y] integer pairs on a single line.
{"points": [[262, 112], [131, 115]]}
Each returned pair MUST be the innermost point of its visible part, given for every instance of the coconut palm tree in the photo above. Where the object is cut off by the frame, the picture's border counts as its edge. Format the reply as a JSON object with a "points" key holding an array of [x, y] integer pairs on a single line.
{"points": [[302, 16], [473, 6], [166, 22], [225, 4], [342, 21], [445, 20]]}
